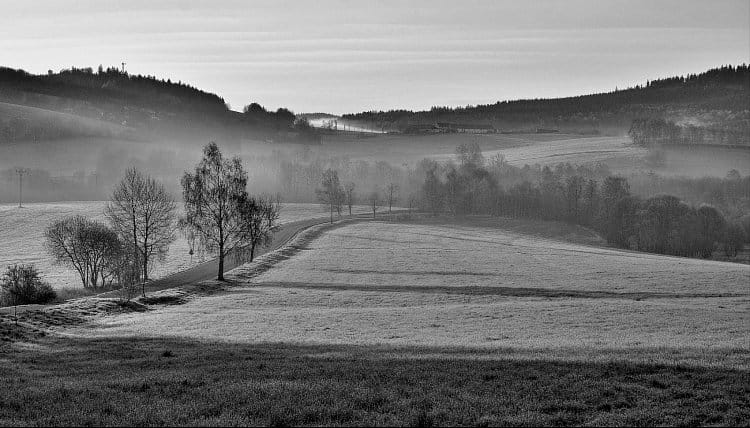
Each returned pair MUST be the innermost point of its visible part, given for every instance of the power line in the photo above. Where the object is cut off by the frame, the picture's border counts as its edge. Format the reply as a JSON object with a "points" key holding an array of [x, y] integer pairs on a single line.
{"points": [[21, 172]]}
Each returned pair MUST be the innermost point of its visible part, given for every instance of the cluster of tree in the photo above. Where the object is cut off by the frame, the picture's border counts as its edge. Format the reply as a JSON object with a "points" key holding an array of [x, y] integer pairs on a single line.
{"points": [[731, 194], [650, 132], [258, 115], [141, 216], [726, 88], [661, 224], [220, 216], [299, 178], [21, 285], [92, 249]]}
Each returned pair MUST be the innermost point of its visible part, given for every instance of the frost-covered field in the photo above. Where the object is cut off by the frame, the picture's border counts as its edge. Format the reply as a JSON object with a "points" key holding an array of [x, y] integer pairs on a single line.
{"points": [[448, 285], [22, 237], [576, 150]]}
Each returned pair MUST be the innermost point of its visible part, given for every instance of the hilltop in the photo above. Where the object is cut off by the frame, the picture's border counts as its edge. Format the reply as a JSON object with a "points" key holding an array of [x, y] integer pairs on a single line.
{"points": [[120, 102]]}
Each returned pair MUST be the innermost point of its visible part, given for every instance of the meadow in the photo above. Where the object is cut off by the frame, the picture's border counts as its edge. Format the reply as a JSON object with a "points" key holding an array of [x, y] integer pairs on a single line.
{"points": [[480, 322], [398, 284], [22, 235]]}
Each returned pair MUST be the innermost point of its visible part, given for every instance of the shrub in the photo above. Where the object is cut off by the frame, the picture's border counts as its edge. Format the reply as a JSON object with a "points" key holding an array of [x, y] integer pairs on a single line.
{"points": [[21, 285]]}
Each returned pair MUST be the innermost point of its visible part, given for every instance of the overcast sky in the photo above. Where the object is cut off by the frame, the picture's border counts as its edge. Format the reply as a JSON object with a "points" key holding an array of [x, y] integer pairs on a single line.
{"points": [[347, 56]]}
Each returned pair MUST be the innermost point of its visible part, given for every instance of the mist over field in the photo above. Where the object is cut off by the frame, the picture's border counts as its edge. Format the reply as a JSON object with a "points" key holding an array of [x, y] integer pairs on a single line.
{"points": [[335, 213]]}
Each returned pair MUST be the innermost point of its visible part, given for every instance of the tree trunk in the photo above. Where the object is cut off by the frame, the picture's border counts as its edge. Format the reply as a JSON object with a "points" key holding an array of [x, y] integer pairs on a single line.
{"points": [[221, 262], [145, 263], [331, 212], [252, 251]]}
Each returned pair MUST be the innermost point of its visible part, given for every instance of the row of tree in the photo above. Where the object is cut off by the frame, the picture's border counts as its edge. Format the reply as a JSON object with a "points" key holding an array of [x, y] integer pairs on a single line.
{"points": [[220, 216], [650, 132], [335, 196], [661, 224]]}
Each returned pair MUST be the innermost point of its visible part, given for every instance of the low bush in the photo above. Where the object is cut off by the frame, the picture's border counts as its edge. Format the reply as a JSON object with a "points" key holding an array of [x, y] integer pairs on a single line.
{"points": [[21, 285]]}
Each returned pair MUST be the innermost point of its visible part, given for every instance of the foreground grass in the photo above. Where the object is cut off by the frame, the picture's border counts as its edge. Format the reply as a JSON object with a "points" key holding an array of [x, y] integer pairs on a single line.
{"points": [[127, 381]]}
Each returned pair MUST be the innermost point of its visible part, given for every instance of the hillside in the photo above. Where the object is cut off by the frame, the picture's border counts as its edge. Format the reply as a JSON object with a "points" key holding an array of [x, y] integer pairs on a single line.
{"points": [[717, 99], [143, 103]]}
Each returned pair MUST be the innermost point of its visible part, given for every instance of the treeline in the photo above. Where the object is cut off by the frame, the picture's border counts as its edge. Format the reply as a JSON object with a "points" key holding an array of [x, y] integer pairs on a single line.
{"points": [[725, 88], [660, 224], [650, 132]]}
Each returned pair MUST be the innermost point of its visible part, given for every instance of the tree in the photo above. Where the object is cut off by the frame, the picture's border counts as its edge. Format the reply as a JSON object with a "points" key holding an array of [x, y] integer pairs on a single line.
{"points": [[391, 194], [432, 188], [711, 229], [260, 219], [88, 246], [374, 199], [573, 195], [331, 193], [142, 213], [212, 196], [470, 155], [349, 195]]}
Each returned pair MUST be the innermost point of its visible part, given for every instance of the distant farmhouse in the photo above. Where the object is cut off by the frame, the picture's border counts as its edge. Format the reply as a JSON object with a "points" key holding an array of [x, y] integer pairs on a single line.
{"points": [[467, 128], [449, 127]]}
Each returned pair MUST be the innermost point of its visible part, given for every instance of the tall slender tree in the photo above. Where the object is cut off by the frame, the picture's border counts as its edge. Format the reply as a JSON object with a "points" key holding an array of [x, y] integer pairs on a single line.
{"points": [[213, 209]]}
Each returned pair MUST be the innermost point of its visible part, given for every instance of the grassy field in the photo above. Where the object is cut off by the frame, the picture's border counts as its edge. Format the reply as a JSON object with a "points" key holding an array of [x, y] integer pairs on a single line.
{"points": [[170, 381], [397, 148], [485, 322], [470, 286], [22, 235]]}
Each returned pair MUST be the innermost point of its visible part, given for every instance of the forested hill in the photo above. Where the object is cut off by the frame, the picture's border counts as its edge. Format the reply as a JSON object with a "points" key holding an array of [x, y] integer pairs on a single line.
{"points": [[718, 98], [142, 103]]}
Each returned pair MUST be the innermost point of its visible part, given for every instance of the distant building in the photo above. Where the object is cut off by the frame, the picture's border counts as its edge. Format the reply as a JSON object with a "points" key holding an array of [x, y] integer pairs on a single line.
{"points": [[422, 129], [468, 128]]}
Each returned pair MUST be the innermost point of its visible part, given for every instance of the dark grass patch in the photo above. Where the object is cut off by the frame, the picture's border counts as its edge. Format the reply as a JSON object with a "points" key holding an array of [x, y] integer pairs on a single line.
{"points": [[174, 382], [168, 299], [491, 290]]}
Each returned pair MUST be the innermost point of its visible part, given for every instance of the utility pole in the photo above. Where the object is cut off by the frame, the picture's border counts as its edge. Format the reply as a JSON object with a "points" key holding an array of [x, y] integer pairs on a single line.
{"points": [[20, 172]]}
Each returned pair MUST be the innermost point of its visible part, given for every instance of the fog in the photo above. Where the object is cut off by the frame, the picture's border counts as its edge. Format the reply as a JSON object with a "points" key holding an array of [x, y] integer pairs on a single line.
{"points": [[87, 168]]}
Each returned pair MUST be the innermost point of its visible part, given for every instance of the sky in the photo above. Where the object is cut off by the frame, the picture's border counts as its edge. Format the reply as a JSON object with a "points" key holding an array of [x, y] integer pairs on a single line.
{"points": [[342, 56]]}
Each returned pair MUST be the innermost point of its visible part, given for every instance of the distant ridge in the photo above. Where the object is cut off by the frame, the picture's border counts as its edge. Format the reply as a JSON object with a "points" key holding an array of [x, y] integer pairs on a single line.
{"points": [[719, 97]]}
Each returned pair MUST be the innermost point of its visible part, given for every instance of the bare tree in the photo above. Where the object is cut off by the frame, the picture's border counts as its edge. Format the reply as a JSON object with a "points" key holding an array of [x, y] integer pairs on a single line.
{"points": [[331, 193], [88, 246], [212, 197], [260, 219], [349, 195], [375, 200], [412, 201], [142, 213], [391, 194]]}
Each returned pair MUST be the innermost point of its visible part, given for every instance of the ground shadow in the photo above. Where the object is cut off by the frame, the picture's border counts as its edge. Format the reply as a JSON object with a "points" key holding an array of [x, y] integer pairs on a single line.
{"points": [[137, 381]]}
